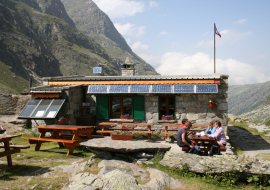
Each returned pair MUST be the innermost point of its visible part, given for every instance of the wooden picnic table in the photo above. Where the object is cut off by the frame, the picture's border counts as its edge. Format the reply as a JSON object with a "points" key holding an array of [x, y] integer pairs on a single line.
{"points": [[174, 131], [147, 131], [75, 132], [9, 149]]}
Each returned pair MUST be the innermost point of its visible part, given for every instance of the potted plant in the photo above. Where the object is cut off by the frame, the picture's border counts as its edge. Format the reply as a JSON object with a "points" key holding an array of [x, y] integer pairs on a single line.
{"points": [[167, 117], [125, 116], [61, 120], [67, 117], [212, 103], [121, 135]]}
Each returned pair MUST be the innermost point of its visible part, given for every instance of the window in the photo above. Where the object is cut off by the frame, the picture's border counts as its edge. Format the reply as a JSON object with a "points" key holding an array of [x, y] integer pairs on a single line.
{"points": [[166, 105], [120, 105]]}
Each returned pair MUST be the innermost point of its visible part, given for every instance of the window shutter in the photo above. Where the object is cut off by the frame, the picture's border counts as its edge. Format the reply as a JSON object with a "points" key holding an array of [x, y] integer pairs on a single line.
{"points": [[102, 107], [138, 107]]}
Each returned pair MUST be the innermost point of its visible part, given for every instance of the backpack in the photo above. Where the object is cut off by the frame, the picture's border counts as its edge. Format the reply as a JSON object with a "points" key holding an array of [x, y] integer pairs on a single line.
{"points": [[214, 150]]}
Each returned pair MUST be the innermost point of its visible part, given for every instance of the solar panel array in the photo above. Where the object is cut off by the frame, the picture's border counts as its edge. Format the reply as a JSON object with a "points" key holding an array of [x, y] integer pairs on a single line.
{"points": [[118, 89], [97, 89], [206, 88], [160, 88], [42, 108], [140, 88], [184, 88]]}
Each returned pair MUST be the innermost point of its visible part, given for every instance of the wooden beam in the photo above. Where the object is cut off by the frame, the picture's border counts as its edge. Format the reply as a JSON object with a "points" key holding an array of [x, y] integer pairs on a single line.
{"points": [[45, 95], [132, 82]]}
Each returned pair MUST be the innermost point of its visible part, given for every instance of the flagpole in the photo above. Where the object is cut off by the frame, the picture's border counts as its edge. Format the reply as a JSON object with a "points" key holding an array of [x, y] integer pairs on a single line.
{"points": [[214, 48]]}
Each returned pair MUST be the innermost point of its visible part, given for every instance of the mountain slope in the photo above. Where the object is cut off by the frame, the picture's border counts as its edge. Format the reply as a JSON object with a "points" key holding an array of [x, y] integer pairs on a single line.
{"points": [[35, 44], [93, 22], [261, 115], [245, 98]]}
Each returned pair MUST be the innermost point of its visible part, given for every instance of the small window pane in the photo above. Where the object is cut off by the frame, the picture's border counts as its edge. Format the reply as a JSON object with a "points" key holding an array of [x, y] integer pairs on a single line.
{"points": [[127, 105], [116, 107], [171, 106], [162, 106]]}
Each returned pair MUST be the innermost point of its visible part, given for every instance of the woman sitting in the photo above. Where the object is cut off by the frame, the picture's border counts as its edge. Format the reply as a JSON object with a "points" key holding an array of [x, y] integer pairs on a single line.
{"points": [[219, 135], [211, 128], [183, 123], [182, 139]]}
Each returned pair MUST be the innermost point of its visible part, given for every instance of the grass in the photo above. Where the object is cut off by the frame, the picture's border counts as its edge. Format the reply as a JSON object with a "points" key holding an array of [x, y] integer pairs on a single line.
{"points": [[29, 165]]}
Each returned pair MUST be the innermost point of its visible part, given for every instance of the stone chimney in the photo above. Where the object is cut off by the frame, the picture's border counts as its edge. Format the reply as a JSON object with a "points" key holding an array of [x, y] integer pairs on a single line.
{"points": [[128, 68]]}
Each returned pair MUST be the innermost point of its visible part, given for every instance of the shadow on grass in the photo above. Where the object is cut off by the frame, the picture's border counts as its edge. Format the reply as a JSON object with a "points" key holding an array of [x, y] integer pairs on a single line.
{"points": [[79, 151], [8, 174]]}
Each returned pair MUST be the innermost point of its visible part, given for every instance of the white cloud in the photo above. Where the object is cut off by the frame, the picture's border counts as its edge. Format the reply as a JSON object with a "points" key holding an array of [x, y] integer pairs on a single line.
{"points": [[228, 37], [153, 60], [164, 33], [153, 4], [242, 21], [120, 8], [138, 47], [130, 29], [177, 63]]}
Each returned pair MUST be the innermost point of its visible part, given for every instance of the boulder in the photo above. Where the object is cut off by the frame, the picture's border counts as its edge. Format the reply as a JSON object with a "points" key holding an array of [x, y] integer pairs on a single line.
{"points": [[107, 144]]}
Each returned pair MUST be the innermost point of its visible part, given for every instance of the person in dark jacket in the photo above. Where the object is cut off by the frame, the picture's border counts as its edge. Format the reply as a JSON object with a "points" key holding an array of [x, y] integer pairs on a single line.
{"points": [[182, 139]]}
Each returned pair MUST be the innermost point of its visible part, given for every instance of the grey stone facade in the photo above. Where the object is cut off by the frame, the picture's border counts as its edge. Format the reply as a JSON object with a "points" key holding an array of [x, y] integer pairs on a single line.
{"points": [[127, 72]]}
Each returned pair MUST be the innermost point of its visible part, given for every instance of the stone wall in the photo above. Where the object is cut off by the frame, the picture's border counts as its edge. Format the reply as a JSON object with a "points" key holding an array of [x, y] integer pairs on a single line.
{"points": [[13, 104]]}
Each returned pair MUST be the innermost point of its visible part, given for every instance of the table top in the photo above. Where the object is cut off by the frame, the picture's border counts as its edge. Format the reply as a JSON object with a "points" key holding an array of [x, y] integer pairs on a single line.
{"points": [[204, 138], [4, 136], [108, 123], [65, 127], [178, 124]]}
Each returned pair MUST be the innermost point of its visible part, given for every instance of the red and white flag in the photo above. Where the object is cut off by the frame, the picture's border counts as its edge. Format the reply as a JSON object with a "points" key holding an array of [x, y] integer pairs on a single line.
{"points": [[216, 32]]}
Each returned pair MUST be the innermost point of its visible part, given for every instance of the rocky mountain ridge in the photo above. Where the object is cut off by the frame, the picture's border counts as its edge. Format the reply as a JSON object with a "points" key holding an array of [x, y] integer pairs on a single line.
{"points": [[39, 39], [245, 98], [93, 22]]}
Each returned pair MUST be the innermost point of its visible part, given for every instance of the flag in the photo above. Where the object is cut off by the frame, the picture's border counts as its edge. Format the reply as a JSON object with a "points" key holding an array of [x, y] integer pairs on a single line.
{"points": [[216, 32]]}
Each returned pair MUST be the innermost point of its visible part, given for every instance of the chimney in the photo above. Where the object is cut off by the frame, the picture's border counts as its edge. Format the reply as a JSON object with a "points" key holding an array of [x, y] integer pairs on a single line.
{"points": [[128, 68]]}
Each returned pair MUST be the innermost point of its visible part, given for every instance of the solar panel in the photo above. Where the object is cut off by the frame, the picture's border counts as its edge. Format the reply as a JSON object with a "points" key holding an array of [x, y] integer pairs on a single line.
{"points": [[184, 88], [206, 88], [97, 69], [140, 88], [97, 89], [118, 89], [41, 108], [162, 88], [54, 108], [29, 108]]}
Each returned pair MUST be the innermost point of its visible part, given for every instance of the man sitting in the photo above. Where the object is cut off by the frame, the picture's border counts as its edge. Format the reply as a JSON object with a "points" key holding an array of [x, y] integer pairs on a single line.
{"points": [[182, 139]]}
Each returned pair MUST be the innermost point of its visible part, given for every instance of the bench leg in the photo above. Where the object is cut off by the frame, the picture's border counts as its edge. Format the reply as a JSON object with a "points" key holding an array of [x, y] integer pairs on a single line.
{"points": [[71, 149], [9, 160], [61, 145], [38, 145]]}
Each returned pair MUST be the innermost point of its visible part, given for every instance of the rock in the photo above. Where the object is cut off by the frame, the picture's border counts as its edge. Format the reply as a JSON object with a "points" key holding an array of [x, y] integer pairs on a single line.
{"points": [[74, 168], [216, 164], [143, 155], [119, 180], [101, 154], [84, 178], [106, 144], [159, 180]]}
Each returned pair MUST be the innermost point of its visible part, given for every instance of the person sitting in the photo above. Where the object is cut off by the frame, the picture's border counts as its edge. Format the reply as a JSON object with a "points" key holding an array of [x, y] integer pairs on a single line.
{"points": [[182, 139], [219, 135], [183, 123], [211, 128]]}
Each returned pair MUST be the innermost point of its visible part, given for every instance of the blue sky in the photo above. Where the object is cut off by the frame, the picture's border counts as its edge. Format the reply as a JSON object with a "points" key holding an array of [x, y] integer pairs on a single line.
{"points": [[176, 36]]}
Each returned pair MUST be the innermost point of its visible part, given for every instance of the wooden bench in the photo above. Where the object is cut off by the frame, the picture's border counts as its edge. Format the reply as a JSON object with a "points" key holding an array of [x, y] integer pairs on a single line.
{"points": [[186, 149], [16, 146], [81, 135], [105, 130], [33, 140]]}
